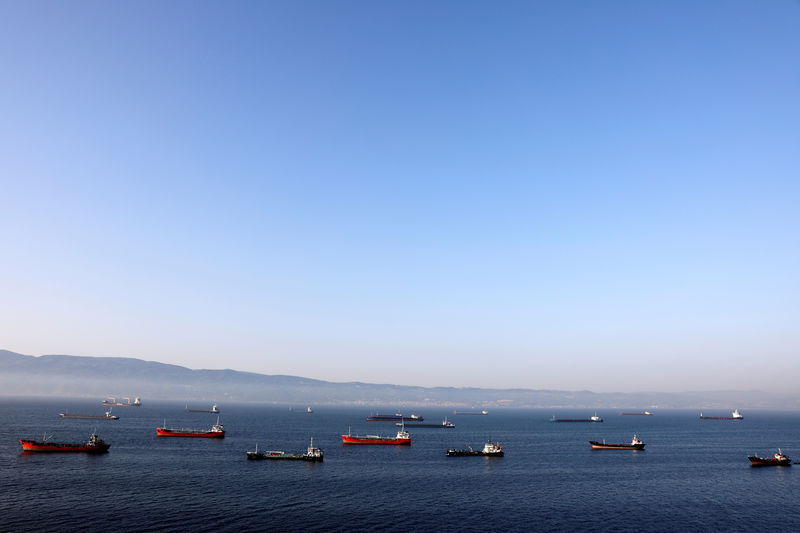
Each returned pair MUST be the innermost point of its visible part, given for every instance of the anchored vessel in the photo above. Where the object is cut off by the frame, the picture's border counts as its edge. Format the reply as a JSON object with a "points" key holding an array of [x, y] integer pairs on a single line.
{"points": [[94, 445], [594, 418], [216, 431], [735, 415], [106, 416], [397, 417], [312, 454], [214, 409], [779, 459], [137, 402], [444, 425], [402, 437], [636, 444], [644, 413], [490, 449]]}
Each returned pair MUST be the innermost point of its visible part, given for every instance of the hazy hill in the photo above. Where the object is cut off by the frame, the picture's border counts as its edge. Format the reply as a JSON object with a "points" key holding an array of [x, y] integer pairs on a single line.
{"points": [[66, 375]]}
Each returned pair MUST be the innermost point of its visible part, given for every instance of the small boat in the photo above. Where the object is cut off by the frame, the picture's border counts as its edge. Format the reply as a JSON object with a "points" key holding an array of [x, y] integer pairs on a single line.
{"points": [[444, 425], [216, 432], [779, 459], [402, 438], [636, 444], [94, 445], [490, 449], [644, 413], [309, 410], [484, 412], [736, 415], [312, 454], [106, 416], [214, 409], [137, 402], [397, 417]]}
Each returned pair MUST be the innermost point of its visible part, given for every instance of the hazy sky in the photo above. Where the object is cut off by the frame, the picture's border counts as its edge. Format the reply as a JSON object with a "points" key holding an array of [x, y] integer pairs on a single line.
{"points": [[571, 195]]}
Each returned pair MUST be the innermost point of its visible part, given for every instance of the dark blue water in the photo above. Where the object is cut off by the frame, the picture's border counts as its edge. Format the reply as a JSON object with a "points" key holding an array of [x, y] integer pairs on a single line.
{"points": [[693, 475]]}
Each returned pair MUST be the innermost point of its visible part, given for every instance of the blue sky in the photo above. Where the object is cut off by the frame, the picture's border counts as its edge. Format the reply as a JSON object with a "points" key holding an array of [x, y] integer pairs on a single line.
{"points": [[567, 195]]}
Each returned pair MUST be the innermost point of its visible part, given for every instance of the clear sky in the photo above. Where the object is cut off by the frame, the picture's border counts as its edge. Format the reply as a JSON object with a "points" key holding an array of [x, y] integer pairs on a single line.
{"points": [[569, 195]]}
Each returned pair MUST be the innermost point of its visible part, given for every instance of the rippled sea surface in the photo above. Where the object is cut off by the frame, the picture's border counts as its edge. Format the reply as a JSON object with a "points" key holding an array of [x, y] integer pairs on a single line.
{"points": [[693, 475]]}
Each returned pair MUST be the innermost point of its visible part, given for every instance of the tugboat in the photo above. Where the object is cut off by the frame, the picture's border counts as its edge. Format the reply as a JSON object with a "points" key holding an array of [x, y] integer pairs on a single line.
{"points": [[779, 459], [490, 449], [636, 444], [312, 454], [402, 438], [214, 409], [106, 416], [94, 445], [735, 415], [397, 417], [444, 425], [216, 432]]}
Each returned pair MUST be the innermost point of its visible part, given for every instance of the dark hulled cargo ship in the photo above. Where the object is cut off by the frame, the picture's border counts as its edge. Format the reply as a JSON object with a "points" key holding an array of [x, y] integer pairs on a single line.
{"points": [[735, 415], [636, 444], [312, 454], [397, 417], [490, 449]]}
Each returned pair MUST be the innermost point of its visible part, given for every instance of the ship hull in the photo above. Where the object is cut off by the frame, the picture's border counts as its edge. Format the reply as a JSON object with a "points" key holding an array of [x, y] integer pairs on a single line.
{"points": [[35, 446], [161, 432], [573, 420], [348, 439], [719, 418], [603, 446]]}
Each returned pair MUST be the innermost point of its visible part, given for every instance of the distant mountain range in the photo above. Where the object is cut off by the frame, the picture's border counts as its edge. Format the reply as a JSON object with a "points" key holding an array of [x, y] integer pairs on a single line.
{"points": [[74, 376]]}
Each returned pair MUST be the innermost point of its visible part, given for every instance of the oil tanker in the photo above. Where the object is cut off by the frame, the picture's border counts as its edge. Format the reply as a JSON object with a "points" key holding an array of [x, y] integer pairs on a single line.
{"points": [[94, 445], [216, 432], [779, 459], [402, 438]]}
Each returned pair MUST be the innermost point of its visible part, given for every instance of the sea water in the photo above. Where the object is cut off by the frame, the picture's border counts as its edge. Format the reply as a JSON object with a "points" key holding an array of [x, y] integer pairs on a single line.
{"points": [[693, 474]]}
